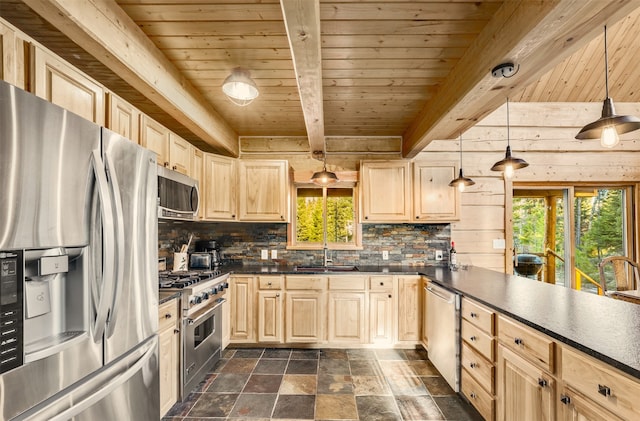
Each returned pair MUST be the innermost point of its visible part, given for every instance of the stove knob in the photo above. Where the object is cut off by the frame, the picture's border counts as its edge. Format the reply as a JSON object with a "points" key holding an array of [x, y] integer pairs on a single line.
{"points": [[214, 290], [226, 285], [205, 296], [198, 299]]}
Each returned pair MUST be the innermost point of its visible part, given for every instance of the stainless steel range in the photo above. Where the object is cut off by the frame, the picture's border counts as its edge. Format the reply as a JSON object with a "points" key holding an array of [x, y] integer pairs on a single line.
{"points": [[203, 293]]}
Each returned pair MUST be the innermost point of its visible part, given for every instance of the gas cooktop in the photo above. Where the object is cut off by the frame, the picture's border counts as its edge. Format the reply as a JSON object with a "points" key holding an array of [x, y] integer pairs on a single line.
{"points": [[184, 279]]}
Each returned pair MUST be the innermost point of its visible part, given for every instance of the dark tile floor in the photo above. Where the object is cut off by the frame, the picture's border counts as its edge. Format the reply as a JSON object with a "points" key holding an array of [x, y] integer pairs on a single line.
{"points": [[325, 384]]}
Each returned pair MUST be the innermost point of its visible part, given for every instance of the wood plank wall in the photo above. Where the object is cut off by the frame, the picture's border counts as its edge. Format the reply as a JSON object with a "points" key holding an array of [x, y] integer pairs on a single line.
{"points": [[542, 134]]}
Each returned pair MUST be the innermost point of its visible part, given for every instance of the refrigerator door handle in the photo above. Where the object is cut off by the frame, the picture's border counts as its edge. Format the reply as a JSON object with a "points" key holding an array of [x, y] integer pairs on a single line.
{"points": [[118, 224], [112, 385], [103, 293]]}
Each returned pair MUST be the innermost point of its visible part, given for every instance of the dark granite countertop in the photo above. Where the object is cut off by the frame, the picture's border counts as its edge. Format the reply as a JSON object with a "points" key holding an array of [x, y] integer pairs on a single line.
{"points": [[284, 269]]}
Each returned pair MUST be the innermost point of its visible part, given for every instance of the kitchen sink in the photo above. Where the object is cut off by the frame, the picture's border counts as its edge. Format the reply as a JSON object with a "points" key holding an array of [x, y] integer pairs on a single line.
{"points": [[326, 269]]}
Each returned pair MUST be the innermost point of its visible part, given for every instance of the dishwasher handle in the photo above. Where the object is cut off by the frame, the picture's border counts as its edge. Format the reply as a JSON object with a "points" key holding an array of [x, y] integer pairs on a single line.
{"points": [[444, 295]]}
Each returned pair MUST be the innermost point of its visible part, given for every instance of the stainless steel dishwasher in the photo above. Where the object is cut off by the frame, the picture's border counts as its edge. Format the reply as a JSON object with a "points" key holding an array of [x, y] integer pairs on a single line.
{"points": [[443, 328]]}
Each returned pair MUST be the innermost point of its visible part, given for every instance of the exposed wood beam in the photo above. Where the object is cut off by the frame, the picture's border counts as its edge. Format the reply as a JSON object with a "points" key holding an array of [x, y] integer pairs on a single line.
{"points": [[302, 19], [105, 31], [535, 35]]}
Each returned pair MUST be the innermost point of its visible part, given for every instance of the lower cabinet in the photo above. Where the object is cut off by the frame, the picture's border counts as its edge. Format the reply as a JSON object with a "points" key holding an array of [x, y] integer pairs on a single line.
{"points": [[242, 305], [347, 317], [169, 349], [381, 318], [270, 316], [574, 406], [304, 315], [409, 300]]}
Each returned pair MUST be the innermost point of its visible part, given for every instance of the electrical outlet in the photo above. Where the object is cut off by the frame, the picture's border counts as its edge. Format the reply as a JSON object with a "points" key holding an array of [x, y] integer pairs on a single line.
{"points": [[385, 255], [438, 254], [274, 254], [264, 254]]}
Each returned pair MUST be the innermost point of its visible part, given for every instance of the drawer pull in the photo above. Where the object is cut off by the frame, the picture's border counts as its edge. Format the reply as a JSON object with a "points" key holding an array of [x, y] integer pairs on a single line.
{"points": [[168, 316], [472, 395], [473, 338], [542, 383], [518, 341], [565, 399], [473, 315], [381, 284], [176, 330], [604, 390], [473, 365], [277, 295], [269, 283]]}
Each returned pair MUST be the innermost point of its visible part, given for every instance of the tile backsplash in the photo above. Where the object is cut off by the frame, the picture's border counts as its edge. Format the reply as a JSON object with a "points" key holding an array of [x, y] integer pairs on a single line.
{"points": [[407, 244]]}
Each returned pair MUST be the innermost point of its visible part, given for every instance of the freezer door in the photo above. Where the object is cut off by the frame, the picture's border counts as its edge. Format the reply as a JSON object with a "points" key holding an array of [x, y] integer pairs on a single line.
{"points": [[45, 172], [133, 314]]}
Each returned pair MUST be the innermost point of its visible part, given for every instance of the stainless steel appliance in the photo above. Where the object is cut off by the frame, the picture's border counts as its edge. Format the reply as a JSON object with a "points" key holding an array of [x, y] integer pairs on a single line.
{"points": [[443, 326], [79, 211], [200, 261], [178, 195], [211, 247], [203, 293]]}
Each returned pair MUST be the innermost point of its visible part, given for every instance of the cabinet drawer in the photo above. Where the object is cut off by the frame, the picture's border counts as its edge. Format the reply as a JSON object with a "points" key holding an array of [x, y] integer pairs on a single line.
{"points": [[479, 340], [306, 282], [527, 343], [269, 282], [357, 283], [479, 316], [381, 283], [168, 315], [604, 385], [479, 367], [479, 398]]}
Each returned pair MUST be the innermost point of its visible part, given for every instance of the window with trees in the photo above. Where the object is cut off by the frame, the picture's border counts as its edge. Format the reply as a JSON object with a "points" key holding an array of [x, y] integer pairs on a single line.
{"points": [[325, 216]]}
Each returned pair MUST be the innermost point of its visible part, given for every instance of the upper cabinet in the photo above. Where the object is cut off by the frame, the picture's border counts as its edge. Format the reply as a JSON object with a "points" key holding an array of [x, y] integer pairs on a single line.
{"points": [[12, 59], [386, 191], [219, 189], [402, 191], [197, 170], [179, 154], [154, 136], [60, 83], [122, 117], [263, 190], [433, 198]]}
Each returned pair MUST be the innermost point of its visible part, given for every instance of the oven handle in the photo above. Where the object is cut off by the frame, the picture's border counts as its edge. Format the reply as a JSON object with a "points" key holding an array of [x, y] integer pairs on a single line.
{"points": [[205, 313]]}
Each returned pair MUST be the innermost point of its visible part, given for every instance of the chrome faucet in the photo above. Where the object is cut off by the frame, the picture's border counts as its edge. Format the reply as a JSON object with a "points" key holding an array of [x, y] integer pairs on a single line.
{"points": [[326, 259]]}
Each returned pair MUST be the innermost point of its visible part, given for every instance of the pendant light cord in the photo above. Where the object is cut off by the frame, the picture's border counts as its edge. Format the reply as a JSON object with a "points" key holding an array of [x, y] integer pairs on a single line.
{"points": [[460, 150], [606, 63], [508, 143]]}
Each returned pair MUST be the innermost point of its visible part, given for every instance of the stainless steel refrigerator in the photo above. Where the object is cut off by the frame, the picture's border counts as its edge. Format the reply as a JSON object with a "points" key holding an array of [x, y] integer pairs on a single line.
{"points": [[78, 253]]}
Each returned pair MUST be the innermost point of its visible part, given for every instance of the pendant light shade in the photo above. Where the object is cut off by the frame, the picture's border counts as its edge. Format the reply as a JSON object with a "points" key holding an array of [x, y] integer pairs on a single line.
{"points": [[239, 87], [461, 182], [324, 177], [609, 126], [509, 164]]}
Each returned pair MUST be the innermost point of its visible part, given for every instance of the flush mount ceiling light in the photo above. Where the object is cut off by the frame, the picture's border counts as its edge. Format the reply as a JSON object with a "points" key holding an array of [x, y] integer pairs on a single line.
{"points": [[610, 125], [324, 177], [239, 87], [461, 182], [509, 163]]}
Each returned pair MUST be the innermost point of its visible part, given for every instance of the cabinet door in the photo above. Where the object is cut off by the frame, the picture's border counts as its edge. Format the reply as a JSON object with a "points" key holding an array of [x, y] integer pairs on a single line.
{"points": [[197, 169], [386, 191], [381, 318], [409, 316], [347, 317], [168, 368], [242, 309], [60, 83], [155, 137], [270, 316], [433, 198], [574, 406], [263, 191], [219, 187], [122, 117], [525, 392], [304, 314], [12, 59], [179, 154]]}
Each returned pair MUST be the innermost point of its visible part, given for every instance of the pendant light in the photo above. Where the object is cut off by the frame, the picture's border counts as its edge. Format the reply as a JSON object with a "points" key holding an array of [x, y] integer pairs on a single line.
{"points": [[509, 163], [239, 87], [610, 125], [461, 181], [324, 177]]}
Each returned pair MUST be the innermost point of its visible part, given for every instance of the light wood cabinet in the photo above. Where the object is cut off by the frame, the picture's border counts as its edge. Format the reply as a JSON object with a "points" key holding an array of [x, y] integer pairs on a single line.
{"points": [[219, 188], [12, 59], [60, 83], [154, 136], [305, 311], [386, 191], [409, 300], [169, 349], [197, 169], [525, 392], [122, 117], [242, 305], [575, 406], [381, 317], [270, 316], [263, 190], [179, 154], [346, 317], [433, 199]]}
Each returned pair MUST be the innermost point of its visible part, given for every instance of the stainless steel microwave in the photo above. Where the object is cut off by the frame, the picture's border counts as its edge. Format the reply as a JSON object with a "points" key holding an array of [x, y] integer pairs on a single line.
{"points": [[178, 195]]}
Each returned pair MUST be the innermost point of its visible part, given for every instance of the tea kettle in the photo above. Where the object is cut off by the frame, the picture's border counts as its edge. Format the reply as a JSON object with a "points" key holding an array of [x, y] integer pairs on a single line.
{"points": [[210, 246]]}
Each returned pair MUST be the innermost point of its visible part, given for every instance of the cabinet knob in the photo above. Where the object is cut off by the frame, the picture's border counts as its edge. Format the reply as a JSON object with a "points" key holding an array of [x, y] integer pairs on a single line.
{"points": [[165, 164], [604, 390], [269, 283], [175, 168], [381, 284], [366, 217], [418, 217], [472, 395], [518, 341], [565, 399], [176, 331], [473, 315], [233, 216], [168, 316], [277, 295], [473, 338], [473, 365], [542, 382], [389, 295]]}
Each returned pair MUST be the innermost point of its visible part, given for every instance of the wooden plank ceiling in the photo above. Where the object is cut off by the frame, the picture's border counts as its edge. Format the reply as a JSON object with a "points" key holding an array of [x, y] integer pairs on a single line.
{"points": [[412, 69]]}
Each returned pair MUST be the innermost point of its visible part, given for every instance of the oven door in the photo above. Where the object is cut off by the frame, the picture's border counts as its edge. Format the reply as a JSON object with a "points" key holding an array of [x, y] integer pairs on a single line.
{"points": [[203, 344]]}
